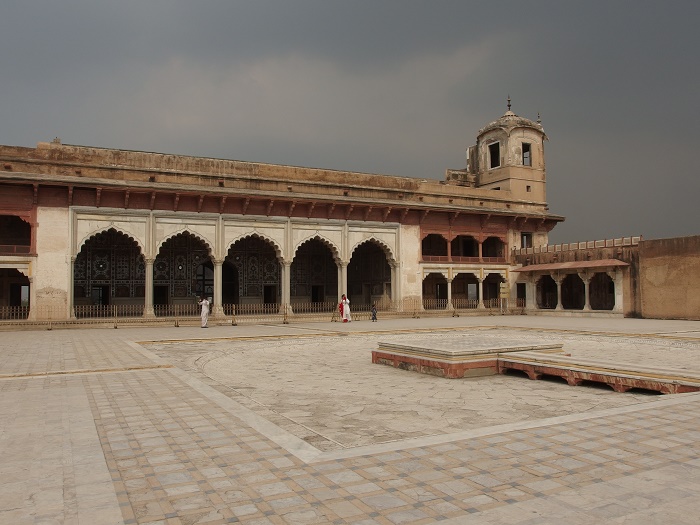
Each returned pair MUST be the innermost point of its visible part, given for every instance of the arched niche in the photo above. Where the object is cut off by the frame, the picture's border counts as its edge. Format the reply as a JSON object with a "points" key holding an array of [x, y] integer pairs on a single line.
{"points": [[369, 274], [314, 272], [465, 290], [546, 293], [433, 245], [251, 271], [435, 291], [601, 291], [180, 273], [109, 269], [573, 292]]}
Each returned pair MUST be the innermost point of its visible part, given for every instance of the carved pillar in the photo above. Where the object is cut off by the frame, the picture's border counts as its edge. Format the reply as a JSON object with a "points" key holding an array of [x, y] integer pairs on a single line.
{"points": [[71, 291], [148, 299], [481, 251], [286, 268], [449, 250], [395, 282], [558, 280], [218, 309], [481, 288], [531, 292], [616, 276], [586, 290], [342, 278], [31, 315], [449, 293]]}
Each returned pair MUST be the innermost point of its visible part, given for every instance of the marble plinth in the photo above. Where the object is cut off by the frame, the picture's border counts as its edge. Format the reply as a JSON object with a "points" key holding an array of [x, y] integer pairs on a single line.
{"points": [[470, 356]]}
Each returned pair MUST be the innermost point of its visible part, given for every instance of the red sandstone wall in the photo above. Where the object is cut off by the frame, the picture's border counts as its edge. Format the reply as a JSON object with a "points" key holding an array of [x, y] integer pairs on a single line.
{"points": [[669, 278]]}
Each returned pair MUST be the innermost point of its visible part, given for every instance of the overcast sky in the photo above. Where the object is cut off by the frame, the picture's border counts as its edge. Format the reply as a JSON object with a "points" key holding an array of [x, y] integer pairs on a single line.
{"points": [[398, 87]]}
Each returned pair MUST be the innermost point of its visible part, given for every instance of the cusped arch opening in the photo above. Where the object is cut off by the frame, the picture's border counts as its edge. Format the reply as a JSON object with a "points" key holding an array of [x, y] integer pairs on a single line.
{"points": [[186, 232], [382, 245], [109, 230], [256, 237], [335, 252]]}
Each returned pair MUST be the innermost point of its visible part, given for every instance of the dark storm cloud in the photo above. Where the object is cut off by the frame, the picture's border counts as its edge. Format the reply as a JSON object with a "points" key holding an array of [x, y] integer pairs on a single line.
{"points": [[397, 87]]}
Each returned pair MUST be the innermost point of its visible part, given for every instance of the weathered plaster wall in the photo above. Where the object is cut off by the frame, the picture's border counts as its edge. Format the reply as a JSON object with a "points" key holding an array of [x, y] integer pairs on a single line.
{"points": [[410, 272], [669, 275], [51, 274]]}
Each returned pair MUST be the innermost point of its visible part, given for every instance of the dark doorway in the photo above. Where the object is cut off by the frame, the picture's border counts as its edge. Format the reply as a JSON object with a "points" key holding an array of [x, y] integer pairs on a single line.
{"points": [[160, 294], [270, 294], [317, 293], [100, 295]]}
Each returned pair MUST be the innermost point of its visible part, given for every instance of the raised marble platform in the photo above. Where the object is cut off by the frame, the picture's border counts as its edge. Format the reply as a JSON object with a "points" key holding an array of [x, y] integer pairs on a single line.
{"points": [[475, 355], [468, 356]]}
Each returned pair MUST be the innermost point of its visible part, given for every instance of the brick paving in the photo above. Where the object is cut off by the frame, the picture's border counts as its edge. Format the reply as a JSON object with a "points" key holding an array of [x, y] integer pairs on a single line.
{"points": [[97, 429]]}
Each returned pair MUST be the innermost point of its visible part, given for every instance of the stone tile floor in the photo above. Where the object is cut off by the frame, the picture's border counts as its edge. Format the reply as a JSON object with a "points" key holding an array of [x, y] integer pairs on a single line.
{"points": [[98, 429]]}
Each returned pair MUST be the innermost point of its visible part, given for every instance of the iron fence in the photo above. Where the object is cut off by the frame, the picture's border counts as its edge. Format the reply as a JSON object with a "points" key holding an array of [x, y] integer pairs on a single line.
{"points": [[234, 314]]}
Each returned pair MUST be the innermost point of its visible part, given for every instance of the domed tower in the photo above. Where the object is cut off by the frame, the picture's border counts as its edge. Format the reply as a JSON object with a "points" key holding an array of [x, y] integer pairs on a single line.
{"points": [[509, 155]]}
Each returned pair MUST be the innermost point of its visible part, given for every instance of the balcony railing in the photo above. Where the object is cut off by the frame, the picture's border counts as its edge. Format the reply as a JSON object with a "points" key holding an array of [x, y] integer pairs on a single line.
{"points": [[463, 259], [14, 249]]}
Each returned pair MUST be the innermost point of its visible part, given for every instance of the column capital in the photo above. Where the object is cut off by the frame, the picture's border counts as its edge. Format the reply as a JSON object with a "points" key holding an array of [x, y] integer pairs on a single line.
{"points": [[149, 260], [218, 261]]}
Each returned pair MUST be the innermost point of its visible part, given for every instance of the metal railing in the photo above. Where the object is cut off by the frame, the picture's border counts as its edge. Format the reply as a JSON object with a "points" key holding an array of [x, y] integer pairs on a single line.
{"points": [[235, 314], [14, 313]]}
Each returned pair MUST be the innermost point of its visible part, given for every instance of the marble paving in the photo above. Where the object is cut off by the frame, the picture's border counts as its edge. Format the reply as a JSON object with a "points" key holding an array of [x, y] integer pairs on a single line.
{"points": [[167, 426]]}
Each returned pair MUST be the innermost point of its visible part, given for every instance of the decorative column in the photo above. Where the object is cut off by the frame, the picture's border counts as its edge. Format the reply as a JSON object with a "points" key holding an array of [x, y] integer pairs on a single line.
{"points": [[71, 290], [481, 306], [342, 278], [558, 280], [531, 292], [218, 309], [449, 293], [31, 315], [481, 251], [616, 276], [586, 290], [148, 311], [286, 268], [395, 283]]}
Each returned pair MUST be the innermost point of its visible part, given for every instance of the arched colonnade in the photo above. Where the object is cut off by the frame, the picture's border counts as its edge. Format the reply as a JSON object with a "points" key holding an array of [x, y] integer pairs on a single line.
{"points": [[281, 264], [589, 289]]}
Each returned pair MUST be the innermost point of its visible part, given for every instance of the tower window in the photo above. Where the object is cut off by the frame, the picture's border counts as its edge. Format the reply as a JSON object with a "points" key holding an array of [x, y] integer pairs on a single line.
{"points": [[527, 154], [526, 240], [495, 155]]}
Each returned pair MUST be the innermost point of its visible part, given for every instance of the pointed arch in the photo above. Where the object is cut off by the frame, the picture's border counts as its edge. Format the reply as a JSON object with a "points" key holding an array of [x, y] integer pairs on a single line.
{"points": [[323, 240], [257, 235], [93, 235], [199, 237], [384, 247]]}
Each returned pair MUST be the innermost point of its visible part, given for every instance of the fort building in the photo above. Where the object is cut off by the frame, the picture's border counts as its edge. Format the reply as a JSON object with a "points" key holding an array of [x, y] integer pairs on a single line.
{"points": [[83, 229]]}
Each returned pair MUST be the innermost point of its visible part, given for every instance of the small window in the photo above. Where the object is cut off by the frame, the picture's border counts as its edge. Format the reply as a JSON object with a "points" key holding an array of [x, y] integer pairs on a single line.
{"points": [[495, 155], [527, 154], [525, 240], [528, 188]]}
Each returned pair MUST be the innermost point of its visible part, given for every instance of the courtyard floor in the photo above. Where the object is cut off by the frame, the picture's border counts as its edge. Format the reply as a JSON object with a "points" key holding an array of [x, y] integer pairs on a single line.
{"points": [[293, 424]]}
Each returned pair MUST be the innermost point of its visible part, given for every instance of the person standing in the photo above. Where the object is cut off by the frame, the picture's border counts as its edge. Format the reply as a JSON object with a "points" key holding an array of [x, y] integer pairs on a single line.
{"points": [[204, 303], [374, 312], [345, 309]]}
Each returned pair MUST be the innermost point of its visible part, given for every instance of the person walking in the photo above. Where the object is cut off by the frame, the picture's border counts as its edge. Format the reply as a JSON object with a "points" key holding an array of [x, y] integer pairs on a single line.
{"points": [[204, 303]]}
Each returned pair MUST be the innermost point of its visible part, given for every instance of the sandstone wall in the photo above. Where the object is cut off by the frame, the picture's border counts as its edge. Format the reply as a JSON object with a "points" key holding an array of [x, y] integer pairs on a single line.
{"points": [[669, 277]]}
